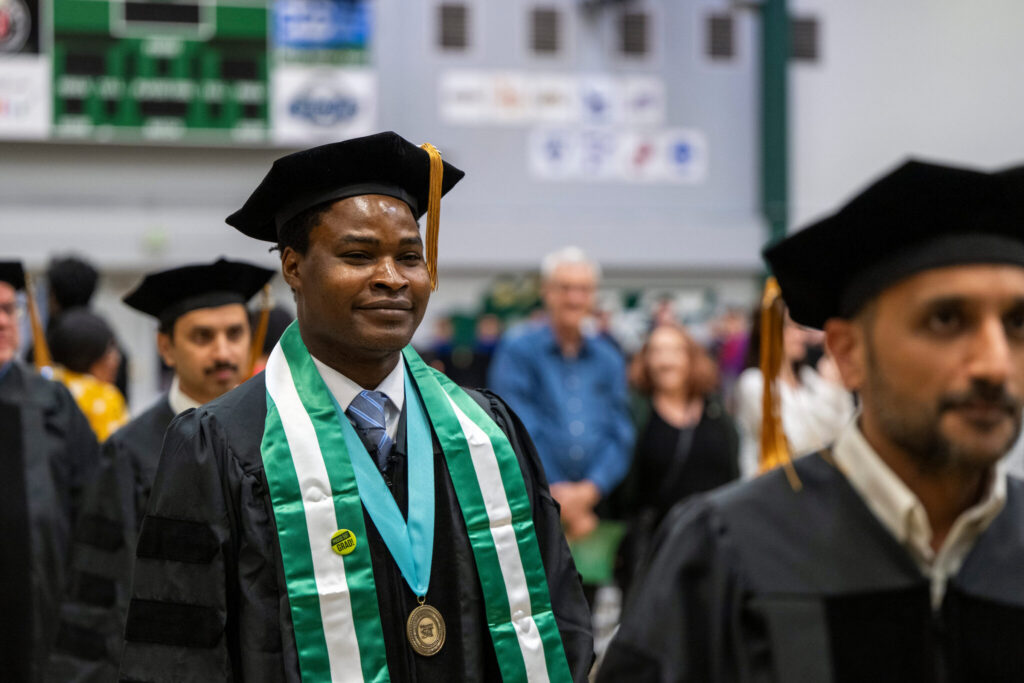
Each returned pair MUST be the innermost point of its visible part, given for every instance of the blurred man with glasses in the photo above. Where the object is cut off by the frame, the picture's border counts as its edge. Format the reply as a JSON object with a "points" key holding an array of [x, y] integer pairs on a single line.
{"points": [[48, 451]]}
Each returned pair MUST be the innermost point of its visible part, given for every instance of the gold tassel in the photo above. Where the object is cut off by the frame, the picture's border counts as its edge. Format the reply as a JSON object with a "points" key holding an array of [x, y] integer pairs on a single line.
{"points": [[259, 335], [433, 210], [42, 350], [774, 447]]}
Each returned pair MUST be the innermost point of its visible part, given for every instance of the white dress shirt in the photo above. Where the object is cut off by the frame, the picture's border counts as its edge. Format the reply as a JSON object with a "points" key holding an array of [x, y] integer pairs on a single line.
{"points": [[903, 514], [179, 400], [345, 390]]}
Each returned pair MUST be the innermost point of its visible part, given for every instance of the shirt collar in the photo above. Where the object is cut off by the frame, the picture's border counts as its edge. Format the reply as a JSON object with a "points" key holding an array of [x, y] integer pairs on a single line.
{"points": [[899, 509], [179, 400], [586, 337], [345, 390]]}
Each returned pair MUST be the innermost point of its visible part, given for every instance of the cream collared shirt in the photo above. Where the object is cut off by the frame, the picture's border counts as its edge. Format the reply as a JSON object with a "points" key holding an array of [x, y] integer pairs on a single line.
{"points": [[903, 514], [345, 390], [179, 400]]}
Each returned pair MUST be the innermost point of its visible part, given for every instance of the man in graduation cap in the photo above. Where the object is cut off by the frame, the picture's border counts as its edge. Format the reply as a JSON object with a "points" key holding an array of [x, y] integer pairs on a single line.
{"points": [[203, 333], [351, 514], [897, 554], [47, 453]]}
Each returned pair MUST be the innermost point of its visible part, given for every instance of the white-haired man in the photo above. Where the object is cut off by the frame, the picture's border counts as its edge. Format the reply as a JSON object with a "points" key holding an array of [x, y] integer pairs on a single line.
{"points": [[569, 389]]}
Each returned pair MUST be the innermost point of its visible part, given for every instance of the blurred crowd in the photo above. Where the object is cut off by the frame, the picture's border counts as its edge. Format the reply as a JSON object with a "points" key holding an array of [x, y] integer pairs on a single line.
{"points": [[626, 433]]}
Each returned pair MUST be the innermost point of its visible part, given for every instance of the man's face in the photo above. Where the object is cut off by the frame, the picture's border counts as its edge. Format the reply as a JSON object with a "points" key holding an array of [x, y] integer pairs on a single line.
{"points": [[209, 350], [8, 322], [362, 286], [569, 294], [939, 362]]}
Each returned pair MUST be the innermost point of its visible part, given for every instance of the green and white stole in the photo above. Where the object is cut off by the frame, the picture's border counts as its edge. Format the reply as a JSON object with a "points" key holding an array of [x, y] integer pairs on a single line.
{"points": [[314, 493]]}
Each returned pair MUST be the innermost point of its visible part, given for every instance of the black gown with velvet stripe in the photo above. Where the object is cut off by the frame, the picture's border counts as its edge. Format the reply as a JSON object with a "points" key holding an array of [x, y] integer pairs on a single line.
{"points": [[757, 582], [209, 600], [47, 452], [89, 643]]}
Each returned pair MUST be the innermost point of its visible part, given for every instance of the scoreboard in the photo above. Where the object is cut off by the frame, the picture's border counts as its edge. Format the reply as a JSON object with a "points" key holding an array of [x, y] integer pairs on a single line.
{"points": [[160, 69], [190, 71]]}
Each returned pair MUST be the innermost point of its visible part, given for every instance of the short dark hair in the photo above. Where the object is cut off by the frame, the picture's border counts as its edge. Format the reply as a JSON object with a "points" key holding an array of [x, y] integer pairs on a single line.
{"points": [[72, 281], [79, 338], [295, 231]]}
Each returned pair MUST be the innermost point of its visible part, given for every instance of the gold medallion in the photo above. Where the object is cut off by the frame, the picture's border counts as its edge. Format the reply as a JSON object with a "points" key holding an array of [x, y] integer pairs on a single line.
{"points": [[425, 629]]}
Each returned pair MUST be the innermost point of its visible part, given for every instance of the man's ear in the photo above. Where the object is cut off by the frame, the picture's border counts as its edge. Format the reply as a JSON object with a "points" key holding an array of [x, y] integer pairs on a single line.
{"points": [[847, 344], [291, 261], [165, 346]]}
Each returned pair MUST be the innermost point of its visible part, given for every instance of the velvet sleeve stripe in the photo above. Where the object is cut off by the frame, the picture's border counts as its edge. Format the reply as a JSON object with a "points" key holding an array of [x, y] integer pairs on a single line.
{"points": [[172, 623], [99, 532], [176, 540]]}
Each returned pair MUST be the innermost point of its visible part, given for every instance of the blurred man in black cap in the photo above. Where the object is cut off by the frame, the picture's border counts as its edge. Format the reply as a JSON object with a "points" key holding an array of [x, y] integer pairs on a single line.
{"points": [[47, 452], [897, 554], [350, 514], [204, 335]]}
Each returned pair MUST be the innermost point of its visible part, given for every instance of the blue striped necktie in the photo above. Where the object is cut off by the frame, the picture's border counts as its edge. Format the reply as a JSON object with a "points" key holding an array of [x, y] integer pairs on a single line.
{"points": [[367, 415]]}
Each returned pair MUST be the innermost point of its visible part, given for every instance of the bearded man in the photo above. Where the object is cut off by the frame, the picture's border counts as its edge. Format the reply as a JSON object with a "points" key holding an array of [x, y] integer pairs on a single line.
{"points": [[203, 335], [896, 554]]}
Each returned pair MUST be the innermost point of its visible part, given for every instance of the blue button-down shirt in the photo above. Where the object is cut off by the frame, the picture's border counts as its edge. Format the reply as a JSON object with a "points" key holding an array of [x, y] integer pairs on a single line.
{"points": [[576, 409]]}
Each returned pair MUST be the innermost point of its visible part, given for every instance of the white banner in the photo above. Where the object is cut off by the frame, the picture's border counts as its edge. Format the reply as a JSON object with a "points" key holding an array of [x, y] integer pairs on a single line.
{"points": [[25, 97], [604, 153], [317, 104], [492, 97]]}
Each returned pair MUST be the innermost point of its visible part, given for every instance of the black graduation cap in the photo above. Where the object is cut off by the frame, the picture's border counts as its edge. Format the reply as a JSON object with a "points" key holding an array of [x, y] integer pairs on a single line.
{"points": [[383, 163], [170, 294], [13, 274], [917, 217]]}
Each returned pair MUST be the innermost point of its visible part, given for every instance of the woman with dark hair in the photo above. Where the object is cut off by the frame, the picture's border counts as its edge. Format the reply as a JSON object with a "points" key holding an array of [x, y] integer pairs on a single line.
{"points": [[686, 442]]}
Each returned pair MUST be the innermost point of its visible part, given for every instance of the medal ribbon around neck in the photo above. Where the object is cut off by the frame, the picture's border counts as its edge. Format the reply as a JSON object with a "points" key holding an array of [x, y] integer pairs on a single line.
{"points": [[314, 493], [411, 543]]}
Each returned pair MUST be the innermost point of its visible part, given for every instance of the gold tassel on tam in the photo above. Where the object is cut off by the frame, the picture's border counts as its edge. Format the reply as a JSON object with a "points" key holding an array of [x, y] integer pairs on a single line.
{"points": [[774, 447], [42, 350], [433, 210], [259, 335]]}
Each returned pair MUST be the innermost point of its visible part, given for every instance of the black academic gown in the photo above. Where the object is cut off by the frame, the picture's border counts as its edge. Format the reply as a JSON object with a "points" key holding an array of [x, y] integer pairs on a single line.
{"points": [[209, 599], [92, 611], [47, 452], [761, 583]]}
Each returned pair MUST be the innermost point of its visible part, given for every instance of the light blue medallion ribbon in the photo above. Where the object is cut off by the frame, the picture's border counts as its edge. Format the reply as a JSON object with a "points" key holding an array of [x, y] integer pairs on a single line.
{"points": [[411, 542]]}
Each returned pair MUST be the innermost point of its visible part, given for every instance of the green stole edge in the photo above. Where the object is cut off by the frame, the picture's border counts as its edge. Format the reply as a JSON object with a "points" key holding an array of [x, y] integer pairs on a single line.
{"points": [[303, 597], [435, 387]]}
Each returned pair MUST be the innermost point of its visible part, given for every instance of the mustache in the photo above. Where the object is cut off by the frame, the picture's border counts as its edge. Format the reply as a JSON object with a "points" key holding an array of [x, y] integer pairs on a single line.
{"points": [[982, 394], [217, 367]]}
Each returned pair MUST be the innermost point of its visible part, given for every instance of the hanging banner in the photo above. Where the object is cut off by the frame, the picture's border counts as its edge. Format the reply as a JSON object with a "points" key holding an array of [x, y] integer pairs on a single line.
{"points": [[603, 154], [491, 97]]}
